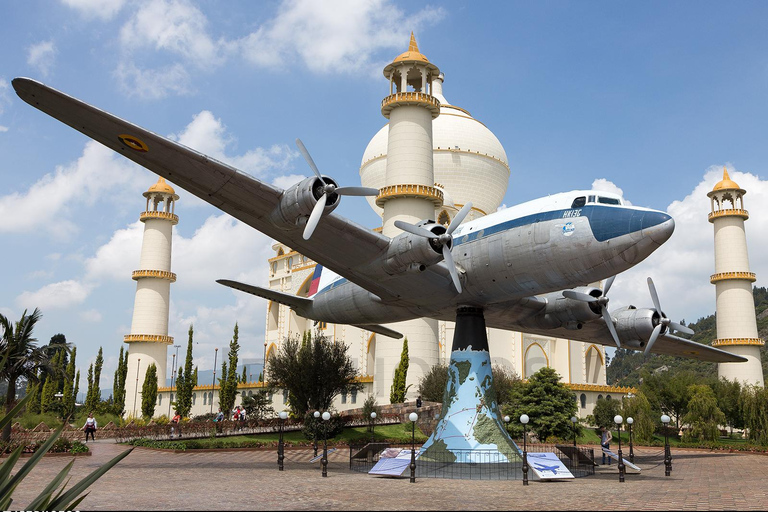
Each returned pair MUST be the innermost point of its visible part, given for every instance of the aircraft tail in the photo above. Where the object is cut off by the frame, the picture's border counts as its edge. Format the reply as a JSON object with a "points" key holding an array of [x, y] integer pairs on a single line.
{"points": [[301, 305]]}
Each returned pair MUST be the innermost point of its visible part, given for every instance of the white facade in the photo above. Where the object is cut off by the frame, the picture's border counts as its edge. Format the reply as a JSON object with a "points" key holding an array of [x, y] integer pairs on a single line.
{"points": [[736, 322], [149, 340]]}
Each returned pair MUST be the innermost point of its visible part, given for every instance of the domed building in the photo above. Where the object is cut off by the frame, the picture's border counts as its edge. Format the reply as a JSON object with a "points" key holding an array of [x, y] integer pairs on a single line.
{"points": [[470, 163], [467, 163]]}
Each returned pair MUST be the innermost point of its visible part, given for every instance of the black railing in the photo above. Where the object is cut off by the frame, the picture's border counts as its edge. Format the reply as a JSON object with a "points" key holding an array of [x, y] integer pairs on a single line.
{"points": [[472, 464]]}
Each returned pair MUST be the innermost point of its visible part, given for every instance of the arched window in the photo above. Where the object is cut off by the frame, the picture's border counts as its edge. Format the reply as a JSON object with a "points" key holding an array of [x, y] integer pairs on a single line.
{"points": [[205, 398], [593, 361], [159, 399], [210, 398], [583, 401], [599, 397], [535, 360], [285, 396], [607, 397], [194, 398], [353, 397]]}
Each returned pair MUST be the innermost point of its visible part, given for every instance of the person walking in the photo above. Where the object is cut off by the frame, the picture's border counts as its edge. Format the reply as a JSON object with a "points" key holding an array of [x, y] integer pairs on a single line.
{"points": [[90, 427], [176, 424], [605, 442]]}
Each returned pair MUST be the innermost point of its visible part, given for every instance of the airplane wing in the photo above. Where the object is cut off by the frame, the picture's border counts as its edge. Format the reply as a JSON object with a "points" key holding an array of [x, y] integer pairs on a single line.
{"points": [[597, 332], [337, 243]]}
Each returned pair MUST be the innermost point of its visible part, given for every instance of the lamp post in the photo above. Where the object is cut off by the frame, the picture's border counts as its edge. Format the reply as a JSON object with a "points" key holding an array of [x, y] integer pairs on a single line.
{"points": [[524, 420], [136, 391], [213, 384], [414, 418], [618, 420], [630, 421], [667, 453], [281, 445], [326, 417], [316, 414], [574, 420], [373, 425], [506, 423]]}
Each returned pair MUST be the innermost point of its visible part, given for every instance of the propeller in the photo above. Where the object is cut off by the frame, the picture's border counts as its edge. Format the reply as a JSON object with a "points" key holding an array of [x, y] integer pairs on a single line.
{"points": [[328, 190], [443, 240], [664, 321], [602, 302]]}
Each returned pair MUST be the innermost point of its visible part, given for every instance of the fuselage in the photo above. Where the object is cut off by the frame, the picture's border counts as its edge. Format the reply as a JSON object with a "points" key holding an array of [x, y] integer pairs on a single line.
{"points": [[553, 243]]}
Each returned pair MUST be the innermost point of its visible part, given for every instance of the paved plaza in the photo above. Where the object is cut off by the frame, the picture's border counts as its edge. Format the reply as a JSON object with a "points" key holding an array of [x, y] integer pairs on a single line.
{"points": [[249, 480]]}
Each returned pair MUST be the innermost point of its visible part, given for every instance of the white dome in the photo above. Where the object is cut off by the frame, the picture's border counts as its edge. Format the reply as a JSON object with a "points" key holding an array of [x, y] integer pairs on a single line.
{"points": [[469, 161]]}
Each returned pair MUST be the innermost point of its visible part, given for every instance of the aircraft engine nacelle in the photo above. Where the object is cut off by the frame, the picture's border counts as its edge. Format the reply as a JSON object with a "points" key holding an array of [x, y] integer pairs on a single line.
{"points": [[411, 253], [564, 312], [634, 326], [296, 203]]}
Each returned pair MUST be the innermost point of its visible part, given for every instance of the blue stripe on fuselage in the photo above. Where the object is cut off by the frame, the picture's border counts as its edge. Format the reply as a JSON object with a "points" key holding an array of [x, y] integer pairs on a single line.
{"points": [[606, 222]]}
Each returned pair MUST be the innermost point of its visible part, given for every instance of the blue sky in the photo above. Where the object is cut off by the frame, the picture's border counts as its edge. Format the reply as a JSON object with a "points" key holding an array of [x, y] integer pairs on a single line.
{"points": [[651, 98]]}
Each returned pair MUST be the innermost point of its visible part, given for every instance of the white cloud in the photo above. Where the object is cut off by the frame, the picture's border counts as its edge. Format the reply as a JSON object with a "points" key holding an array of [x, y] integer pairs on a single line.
{"points": [[681, 268], [287, 181], [153, 83], [42, 56], [61, 295], [333, 36], [608, 186], [91, 316], [48, 203], [116, 259], [4, 99], [101, 9]]}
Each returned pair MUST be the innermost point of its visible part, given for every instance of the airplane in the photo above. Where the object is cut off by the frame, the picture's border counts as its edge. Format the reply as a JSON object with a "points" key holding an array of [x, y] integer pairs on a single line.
{"points": [[529, 268], [543, 467]]}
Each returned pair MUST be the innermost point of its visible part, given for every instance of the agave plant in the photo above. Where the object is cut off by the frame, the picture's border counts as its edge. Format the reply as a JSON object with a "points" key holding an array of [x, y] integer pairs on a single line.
{"points": [[54, 496]]}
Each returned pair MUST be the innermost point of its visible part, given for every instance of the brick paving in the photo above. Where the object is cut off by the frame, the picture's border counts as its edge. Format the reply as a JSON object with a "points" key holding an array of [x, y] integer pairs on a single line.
{"points": [[249, 480]]}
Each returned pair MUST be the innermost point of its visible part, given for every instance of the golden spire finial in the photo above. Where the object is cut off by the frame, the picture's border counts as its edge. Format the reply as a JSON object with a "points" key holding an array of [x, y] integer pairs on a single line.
{"points": [[725, 173], [413, 47]]}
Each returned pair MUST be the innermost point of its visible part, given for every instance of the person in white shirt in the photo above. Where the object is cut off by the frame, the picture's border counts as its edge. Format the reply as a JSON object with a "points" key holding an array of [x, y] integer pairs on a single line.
{"points": [[90, 427]]}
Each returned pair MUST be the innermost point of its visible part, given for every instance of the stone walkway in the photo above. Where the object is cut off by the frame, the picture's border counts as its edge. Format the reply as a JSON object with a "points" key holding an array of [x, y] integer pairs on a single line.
{"points": [[249, 480]]}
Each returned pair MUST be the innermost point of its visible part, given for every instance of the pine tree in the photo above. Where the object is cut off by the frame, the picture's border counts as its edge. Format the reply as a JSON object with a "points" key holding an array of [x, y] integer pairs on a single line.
{"points": [[77, 387], [179, 389], [184, 386], [97, 377], [48, 398], [33, 406], [244, 378], [149, 393], [398, 389], [90, 404], [228, 390], [69, 384]]}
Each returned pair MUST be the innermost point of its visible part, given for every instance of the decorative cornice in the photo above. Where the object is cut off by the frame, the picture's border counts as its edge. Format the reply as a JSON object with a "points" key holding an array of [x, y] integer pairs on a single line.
{"points": [[159, 215], [724, 276], [410, 98], [157, 274], [395, 191], [602, 388], [364, 379], [148, 338], [721, 342], [281, 256], [730, 212], [250, 385]]}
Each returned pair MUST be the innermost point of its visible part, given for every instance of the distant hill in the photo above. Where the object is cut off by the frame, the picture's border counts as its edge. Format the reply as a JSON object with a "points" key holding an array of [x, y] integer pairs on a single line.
{"points": [[627, 366]]}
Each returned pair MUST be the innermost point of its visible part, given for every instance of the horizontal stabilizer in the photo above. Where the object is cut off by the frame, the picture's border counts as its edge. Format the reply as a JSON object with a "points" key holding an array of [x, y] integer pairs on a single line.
{"points": [[299, 304], [380, 329]]}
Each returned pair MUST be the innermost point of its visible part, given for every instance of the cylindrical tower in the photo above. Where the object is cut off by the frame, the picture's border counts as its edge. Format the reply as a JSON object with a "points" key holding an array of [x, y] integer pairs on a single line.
{"points": [[409, 194], [149, 340], [736, 323]]}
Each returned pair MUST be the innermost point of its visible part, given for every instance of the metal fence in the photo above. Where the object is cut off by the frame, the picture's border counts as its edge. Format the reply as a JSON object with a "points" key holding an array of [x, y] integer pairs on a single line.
{"points": [[473, 464]]}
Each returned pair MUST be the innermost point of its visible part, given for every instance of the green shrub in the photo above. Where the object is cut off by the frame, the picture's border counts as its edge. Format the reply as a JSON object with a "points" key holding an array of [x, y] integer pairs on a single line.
{"points": [[78, 447]]}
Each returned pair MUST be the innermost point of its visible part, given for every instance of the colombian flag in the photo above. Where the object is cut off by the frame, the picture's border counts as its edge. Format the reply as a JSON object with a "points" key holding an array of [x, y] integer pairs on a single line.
{"points": [[315, 280]]}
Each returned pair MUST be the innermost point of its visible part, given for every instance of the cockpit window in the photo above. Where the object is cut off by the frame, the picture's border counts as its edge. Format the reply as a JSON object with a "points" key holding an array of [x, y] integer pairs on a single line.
{"points": [[591, 199], [608, 200], [579, 202]]}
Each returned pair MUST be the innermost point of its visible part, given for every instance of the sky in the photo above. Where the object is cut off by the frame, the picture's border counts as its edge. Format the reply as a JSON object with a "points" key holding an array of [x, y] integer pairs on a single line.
{"points": [[651, 99]]}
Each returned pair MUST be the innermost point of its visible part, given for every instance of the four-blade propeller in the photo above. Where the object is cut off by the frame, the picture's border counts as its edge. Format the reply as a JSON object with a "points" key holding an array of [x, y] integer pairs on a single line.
{"points": [[664, 321], [328, 189], [602, 302], [445, 240]]}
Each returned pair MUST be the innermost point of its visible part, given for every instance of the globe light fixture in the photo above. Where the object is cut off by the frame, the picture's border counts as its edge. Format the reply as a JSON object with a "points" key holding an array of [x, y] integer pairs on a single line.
{"points": [[524, 419], [316, 415], [373, 425], [414, 418], [667, 452], [630, 421], [574, 420], [280, 444], [324, 461]]}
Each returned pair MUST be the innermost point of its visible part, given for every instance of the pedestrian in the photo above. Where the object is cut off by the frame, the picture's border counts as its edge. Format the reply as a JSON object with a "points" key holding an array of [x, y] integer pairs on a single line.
{"points": [[176, 424], [242, 416], [605, 442], [218, 419], [90, 427], [418, 401]]}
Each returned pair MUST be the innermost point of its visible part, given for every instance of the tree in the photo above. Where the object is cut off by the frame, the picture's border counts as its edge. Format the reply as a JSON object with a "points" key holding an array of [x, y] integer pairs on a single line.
{"points": [[432, 384], [398, 390], [149, 392], [258, 406], [369, 406], [645, 421], [754, 405], [244, 377], [48, 398], [313, 372], [703, 415], [118, 388], [184, 381], [547, 402], [670, 393], [604, 412], [228, 389], [69, 385], [93, 397], [728, 393], [23, 357]]}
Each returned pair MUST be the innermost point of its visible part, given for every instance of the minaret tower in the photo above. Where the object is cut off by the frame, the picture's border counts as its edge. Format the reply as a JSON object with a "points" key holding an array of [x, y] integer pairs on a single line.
{"points": [[736, 323], [409, 195], [149, 340]]}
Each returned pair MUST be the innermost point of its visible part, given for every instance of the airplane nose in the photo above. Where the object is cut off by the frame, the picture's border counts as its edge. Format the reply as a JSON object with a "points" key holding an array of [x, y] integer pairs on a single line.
{"points": [[659, 226]]}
